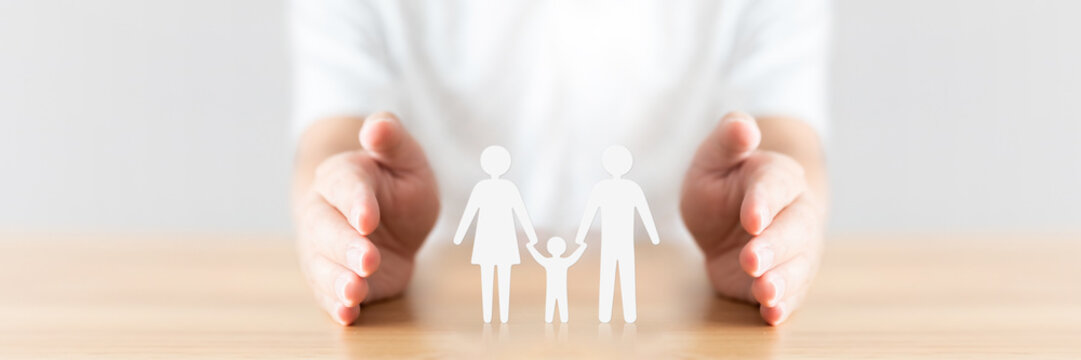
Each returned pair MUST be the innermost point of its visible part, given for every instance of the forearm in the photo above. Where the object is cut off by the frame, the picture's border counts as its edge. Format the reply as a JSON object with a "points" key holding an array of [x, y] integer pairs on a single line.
{"points": [[796, 139], [320, 141]]}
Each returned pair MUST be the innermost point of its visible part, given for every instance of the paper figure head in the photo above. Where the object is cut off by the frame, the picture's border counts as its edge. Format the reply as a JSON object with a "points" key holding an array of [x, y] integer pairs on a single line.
{"points": [[617, 160], [495, 160], [556, 246]]}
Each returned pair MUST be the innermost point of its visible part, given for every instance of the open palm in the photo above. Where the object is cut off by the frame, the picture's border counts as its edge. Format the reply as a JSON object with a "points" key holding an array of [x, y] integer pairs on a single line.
{"points": [[751, 214], [367, 213]]}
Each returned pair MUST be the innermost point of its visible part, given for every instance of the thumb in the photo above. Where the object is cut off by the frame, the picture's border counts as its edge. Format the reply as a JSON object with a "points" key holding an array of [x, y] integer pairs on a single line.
{"points": [[386, 140], [730, 142]]}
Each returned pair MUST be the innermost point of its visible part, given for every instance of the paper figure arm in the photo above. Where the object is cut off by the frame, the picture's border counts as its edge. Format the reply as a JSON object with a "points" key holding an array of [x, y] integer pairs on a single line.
{"points": [[523, 217], [536, 254], [587, 219], [577, 253], [467, 217], [647, 216]]}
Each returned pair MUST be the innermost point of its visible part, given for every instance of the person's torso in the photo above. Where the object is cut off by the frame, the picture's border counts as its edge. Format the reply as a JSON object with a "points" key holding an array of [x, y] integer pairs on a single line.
{"points": [[556, 82]]}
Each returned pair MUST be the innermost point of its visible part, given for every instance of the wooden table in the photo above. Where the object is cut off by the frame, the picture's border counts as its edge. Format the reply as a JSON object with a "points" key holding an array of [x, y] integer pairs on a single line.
{"points": [[198, 296]]}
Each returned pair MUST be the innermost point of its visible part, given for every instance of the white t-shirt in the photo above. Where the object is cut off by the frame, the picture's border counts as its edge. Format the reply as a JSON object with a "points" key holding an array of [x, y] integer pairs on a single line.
{"points": [[557, 81]]}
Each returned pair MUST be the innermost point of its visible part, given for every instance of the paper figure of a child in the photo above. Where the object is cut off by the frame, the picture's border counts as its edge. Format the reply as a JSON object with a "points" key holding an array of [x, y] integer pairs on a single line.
{"points": [[556, 269]]}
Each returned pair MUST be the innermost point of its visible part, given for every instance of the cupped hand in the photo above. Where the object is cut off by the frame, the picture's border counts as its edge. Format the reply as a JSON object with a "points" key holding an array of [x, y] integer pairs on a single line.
{"points": [[364, 217], [754, 217]]}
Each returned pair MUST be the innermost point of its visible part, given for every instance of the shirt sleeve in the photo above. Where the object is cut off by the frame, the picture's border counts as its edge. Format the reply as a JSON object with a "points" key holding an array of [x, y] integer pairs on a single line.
{"points": [[779, 61], [340, 61]]}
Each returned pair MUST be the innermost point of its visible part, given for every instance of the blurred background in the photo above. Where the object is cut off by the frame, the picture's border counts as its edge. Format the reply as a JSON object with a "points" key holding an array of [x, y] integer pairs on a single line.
{"points": [[173, 116]]}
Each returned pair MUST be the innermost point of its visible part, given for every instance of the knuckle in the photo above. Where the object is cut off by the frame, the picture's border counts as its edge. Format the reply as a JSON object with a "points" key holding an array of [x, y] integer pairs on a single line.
{"points": [[320, 223], [794, 167], [791, 164], [329, 164], [800, 264], [758, 160], [310, 266], [808, 205], [347, 186], [337, 162], [340, 186], [310, 214], [782, 161], [783, 169], [346, 235]]}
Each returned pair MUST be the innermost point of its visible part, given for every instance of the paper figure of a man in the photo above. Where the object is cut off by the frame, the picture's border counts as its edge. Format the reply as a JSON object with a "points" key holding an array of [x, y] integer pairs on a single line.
{"points": [[617, 199]]}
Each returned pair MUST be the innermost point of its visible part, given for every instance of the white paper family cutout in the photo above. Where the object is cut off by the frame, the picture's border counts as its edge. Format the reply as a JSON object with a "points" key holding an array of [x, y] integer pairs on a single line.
{"points": [[496, 202], [617, 199], [556, 269]]}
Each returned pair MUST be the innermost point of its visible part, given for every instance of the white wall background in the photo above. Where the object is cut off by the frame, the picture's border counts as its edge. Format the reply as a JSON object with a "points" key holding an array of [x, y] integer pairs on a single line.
{"points": [[957, 115], [143, 115], [950, 115]]}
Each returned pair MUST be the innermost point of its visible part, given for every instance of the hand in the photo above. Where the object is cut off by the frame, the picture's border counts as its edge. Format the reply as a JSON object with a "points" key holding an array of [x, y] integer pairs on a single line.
{"points": [[751, 213], [363, 218]]}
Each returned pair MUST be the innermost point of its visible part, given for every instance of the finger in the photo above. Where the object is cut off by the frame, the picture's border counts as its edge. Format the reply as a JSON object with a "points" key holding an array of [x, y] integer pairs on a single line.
{"points": [[724, 274], [331, 237], [384, 137], [789, 235], [729, 144], [349, 188], [781, 290], [774, 182], [336, 281], [331, 302], [341, 313]]}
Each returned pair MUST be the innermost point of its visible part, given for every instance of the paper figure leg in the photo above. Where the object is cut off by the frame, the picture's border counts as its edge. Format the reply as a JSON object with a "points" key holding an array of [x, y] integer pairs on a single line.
{"points": [[627, 286], [504, 293], [607, 288], [486, 282], [562, 304], [549, 306]]}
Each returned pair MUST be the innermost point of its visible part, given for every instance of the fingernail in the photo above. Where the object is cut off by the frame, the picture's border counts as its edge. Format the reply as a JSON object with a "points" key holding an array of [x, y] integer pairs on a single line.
{"points": [[355, 256], [380, 116], [763, 218], [354, 218], [775, 314], [765, 259], [347, 314], [778, 290], [736, 117], [341, 284]]}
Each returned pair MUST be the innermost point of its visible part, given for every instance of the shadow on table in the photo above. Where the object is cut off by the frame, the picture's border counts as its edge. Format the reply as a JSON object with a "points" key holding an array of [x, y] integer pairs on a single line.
{"points": [[721, 311], [396, 311]]}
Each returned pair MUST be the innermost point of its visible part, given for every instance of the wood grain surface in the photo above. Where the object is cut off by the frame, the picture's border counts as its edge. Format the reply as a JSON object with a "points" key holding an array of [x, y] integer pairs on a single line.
{"points": [[154, 296]]}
